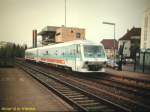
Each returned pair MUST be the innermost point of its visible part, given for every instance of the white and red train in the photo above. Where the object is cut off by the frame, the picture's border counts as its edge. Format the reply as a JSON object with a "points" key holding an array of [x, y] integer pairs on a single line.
{"points": [[79, 55]]}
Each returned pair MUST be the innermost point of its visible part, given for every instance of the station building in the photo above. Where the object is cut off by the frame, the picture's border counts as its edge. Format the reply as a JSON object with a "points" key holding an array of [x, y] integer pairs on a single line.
{"points": [[109, 47], [55, 34]]}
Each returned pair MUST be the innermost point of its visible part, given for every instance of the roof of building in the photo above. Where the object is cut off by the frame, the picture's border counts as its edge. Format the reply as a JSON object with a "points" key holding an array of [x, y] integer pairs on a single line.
{"points": [[109, 43], [133, 32], [52, 29], [147, 10], [48, 29]]}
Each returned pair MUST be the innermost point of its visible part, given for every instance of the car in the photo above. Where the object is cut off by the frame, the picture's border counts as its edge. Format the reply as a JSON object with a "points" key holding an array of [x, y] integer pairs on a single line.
{"points": [[112, 64]]}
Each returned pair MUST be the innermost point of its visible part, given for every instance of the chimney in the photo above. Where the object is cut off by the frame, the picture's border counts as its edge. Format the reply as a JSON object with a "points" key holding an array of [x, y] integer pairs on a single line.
{"points": [[34, 37]]}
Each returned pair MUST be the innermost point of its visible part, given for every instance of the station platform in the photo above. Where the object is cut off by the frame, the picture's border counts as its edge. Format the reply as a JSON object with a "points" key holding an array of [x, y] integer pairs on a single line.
{"points": [[20, 92], [133, 75]]}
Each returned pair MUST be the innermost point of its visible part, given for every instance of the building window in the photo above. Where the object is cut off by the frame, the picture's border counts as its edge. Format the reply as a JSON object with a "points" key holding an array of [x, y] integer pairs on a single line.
{"points": [[145, 28], [78, 35], [57, 34], [144, 45], [145, 34]]}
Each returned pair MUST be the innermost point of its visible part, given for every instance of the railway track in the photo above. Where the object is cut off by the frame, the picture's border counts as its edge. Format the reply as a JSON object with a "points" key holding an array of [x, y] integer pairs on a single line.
{"points": [[96, 87], [123, 89], [116, 95], [80, 99], [135, 83]]}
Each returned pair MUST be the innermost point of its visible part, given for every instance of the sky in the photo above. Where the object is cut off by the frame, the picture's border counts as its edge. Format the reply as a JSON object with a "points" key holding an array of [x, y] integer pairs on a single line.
{"points": [[19, 17]]}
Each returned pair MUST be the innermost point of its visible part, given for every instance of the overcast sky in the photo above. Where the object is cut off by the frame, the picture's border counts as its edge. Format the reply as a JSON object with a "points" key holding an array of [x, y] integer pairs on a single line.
{"points": [[19, 17]]}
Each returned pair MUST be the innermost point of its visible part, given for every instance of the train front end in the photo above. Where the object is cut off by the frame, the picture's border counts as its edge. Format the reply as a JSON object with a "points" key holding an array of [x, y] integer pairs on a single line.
{"points": [[93, 58]]}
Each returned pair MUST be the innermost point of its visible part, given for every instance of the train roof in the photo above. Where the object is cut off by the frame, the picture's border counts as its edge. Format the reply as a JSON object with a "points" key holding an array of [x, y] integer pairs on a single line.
{"points": [[84, 42]]}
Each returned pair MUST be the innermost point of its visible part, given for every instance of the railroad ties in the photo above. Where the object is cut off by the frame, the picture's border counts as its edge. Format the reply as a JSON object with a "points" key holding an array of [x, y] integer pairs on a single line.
{"points": [[80, 99]]}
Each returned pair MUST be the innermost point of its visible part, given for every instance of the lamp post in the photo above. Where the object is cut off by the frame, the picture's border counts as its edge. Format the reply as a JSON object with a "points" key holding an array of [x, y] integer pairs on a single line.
{"points": [[65, 13], [113, 24]]}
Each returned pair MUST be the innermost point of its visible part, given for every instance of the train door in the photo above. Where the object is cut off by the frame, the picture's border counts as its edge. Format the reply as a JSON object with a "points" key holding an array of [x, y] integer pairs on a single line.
{"points": [[37, 55], [78, 58], [71, 57]]}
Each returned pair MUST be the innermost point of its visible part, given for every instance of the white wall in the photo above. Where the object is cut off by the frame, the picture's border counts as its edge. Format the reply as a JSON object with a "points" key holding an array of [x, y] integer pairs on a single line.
{"points": [[127, 45], [145, 35]]}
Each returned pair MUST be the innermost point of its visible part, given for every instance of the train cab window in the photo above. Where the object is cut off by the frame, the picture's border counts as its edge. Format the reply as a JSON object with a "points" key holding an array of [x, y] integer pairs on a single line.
{"points": [[93, 51]]}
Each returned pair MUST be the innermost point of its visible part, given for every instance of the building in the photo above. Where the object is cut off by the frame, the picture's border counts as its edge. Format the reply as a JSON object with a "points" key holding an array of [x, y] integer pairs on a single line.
{"points": [[145, 38], [54, 34], [48, 34], [109, 47], [131, 41], [64, 34], [145, 35]]}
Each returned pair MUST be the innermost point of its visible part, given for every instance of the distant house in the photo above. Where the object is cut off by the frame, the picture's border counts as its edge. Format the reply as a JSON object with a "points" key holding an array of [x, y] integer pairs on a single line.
{"points": [[109, 47], [131, 41], [145, 35]]}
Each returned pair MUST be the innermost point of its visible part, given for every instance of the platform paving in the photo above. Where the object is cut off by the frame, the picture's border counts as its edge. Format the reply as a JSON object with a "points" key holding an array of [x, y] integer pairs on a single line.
{"points": [[20, 92], [130, 74]]}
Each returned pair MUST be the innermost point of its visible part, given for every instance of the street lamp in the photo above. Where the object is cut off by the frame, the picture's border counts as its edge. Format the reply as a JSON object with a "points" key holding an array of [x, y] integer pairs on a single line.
{"points": [[113, 24], [65, 13]]}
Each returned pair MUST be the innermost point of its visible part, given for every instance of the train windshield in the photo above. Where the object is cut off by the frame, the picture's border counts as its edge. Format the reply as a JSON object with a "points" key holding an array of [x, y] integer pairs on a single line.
{"points": [[93, 51]]}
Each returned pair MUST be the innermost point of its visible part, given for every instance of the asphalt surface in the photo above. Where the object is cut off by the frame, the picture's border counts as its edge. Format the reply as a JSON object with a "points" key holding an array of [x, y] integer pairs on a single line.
{"points": [[20, 92]]}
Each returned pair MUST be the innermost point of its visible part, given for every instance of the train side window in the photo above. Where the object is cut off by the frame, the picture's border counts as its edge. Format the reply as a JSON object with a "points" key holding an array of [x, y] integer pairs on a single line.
{"points": [[78, 35], [46, 52], [56, 52], [74, 52], [62, 53]]}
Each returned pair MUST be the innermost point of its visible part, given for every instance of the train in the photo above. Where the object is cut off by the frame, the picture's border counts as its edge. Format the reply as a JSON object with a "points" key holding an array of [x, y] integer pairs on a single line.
{"points": [[78, 55]]}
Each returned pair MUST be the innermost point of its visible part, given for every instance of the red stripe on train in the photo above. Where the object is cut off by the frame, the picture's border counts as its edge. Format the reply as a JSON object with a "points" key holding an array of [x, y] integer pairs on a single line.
{"points": [[53, 60]]}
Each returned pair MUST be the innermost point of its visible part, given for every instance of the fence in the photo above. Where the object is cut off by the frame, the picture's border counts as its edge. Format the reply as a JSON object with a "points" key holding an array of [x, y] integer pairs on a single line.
{"points": [[144, 61], [141, 63]]}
